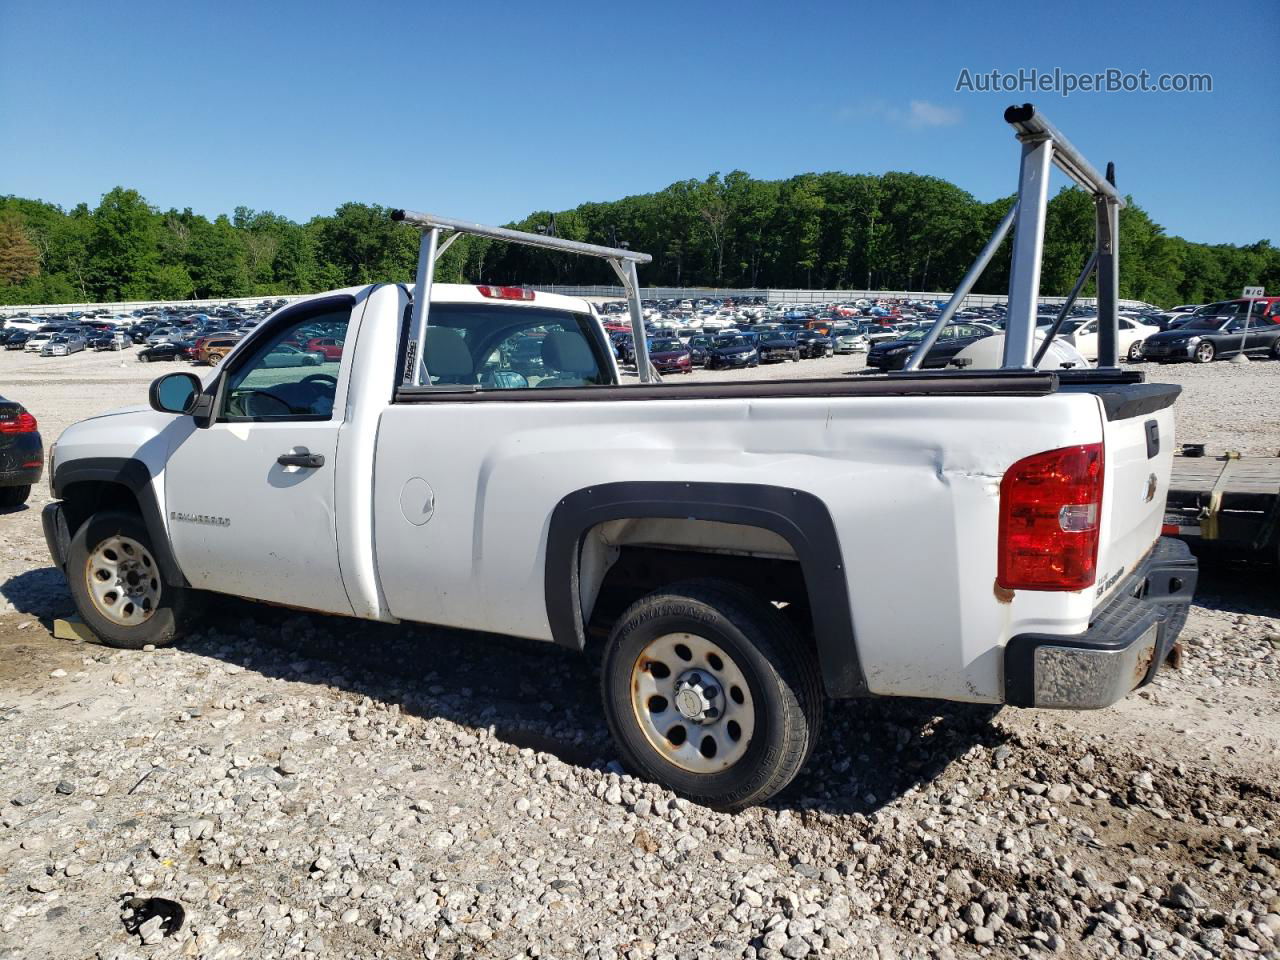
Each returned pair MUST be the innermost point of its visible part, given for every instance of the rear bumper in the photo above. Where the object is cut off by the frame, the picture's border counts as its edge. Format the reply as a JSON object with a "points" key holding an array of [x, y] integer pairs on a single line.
{"points": [[1123, 648], [21, 459]]}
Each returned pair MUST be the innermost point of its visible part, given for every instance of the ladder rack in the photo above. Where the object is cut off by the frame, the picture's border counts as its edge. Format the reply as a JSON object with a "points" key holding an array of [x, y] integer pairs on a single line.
{"points": [[1044, 145], [433, 227]]}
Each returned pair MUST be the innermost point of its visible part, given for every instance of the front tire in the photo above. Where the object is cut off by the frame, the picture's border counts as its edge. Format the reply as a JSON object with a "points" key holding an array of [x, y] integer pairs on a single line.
{"points": [[117, 585], [1205, 352], [712, 693]]}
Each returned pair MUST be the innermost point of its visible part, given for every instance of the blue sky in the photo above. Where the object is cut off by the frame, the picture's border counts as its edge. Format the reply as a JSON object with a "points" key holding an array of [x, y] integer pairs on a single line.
{"points": [[488, 111]]}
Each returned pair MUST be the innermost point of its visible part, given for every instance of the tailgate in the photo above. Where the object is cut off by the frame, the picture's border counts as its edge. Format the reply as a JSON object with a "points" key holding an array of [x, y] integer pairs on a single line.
{"points": [[1138, 424]]}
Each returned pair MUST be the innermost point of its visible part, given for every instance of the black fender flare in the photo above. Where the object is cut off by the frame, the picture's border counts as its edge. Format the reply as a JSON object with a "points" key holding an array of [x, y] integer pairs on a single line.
{"points": [[133, 475], [800, 518]]}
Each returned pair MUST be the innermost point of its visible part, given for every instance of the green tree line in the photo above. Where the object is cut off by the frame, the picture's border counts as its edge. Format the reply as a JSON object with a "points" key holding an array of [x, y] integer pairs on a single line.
{"points": [[895, 231]]}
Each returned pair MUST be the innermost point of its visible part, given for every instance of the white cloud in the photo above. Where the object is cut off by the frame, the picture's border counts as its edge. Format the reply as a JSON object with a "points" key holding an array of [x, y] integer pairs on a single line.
{"points": [[918, 115], [926, 114]]}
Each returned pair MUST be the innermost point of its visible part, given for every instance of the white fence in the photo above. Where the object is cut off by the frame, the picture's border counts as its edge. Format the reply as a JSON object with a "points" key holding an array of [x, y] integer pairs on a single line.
{"points": [[810, 296]]}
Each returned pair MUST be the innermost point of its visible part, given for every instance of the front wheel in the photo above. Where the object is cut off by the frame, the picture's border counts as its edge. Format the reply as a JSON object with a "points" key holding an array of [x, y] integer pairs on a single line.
{"points": [[1204, 352], [117, 585], [712, 693]]}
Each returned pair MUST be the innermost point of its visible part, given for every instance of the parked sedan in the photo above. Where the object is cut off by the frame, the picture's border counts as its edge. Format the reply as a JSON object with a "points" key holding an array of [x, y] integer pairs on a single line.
{"points": [[62, 344], [670, 355], [848, 341], [1204, 339], [287, 355], [733, 350], [779, 345], [1132, 335], [35, 343], [893, 354], [21, 454], [699, 346], [163, 335], [328, 347], [17, 339], [161, 351], [815, 344]]}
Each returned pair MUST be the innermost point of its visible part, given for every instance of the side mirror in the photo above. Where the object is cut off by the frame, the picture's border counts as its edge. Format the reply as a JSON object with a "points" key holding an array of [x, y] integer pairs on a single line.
{"points": [[175, 393]]}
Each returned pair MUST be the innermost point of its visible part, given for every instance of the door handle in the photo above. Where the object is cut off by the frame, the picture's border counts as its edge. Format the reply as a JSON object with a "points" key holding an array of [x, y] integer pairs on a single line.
{"points": [[309, 460]]}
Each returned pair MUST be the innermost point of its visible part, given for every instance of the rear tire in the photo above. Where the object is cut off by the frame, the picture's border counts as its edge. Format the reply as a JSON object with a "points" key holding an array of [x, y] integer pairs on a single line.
{"points": [[14, 496], [117, 586], [712, 693], [1135, 351]]}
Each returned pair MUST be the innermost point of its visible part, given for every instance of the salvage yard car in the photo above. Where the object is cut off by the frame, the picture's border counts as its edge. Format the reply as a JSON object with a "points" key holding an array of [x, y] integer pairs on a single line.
{"points": [[735, 552], [21, 454], [1207, 338], [893, 354], [732, 350], [335, 488], [670, 355], [1133, 335]]}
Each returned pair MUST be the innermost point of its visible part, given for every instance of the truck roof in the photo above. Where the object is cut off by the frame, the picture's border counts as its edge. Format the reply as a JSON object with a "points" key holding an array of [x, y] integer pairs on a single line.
{"points": [[471, 293]]}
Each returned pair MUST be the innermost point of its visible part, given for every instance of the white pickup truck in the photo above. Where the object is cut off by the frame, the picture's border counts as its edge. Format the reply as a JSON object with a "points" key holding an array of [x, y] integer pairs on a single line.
{"points": [[734, 552]]}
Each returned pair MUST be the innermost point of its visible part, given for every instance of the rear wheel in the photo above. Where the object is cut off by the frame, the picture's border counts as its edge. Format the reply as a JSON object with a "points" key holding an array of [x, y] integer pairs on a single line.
{"points": [[712, 693], [116, 583], [1205, 352], [14, 496], [1275, 349], [1135, 351], [215, 359]]}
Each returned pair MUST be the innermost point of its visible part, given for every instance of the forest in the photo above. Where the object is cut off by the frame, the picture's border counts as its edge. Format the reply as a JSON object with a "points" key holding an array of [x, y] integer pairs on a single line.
{"points": [[895, 231]]}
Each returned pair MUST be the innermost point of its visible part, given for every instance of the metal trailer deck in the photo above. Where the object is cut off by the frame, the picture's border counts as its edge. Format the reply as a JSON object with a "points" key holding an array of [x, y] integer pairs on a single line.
{"points": [[1230, 502]]}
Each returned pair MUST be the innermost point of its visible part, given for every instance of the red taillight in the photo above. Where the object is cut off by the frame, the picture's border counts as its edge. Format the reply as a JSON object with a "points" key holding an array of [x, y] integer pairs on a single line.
{"points": [[22, 423], [505, 293], [1050, 508]]}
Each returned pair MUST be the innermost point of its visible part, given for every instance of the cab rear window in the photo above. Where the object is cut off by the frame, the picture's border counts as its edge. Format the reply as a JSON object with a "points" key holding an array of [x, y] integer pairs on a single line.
{"points": [[503, 348]]}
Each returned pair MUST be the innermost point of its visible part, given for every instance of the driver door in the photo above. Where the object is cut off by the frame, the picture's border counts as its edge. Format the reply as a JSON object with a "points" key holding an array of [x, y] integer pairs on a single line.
{"points": [[250, 499]]}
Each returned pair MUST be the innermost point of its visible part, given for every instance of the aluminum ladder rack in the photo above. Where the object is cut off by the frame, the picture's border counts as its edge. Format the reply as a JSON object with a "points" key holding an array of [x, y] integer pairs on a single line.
{"points": [[435, 242], [1043, 146]]}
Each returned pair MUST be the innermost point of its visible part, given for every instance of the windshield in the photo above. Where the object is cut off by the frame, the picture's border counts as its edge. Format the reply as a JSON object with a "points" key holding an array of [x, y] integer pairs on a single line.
{"points": [[731, 342], [666, 346]]}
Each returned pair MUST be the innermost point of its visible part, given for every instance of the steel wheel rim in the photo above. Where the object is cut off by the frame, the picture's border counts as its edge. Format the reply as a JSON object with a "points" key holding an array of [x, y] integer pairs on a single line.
{"points": [[123, 581], [664, 694]]}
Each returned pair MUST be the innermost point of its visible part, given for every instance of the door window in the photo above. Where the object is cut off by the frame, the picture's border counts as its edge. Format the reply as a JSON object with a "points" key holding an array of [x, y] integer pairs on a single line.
{"points": [[286, 376]]}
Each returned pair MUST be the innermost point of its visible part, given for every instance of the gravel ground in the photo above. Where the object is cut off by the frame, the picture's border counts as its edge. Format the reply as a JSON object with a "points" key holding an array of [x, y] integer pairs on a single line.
{"points": [[457, 795]]}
